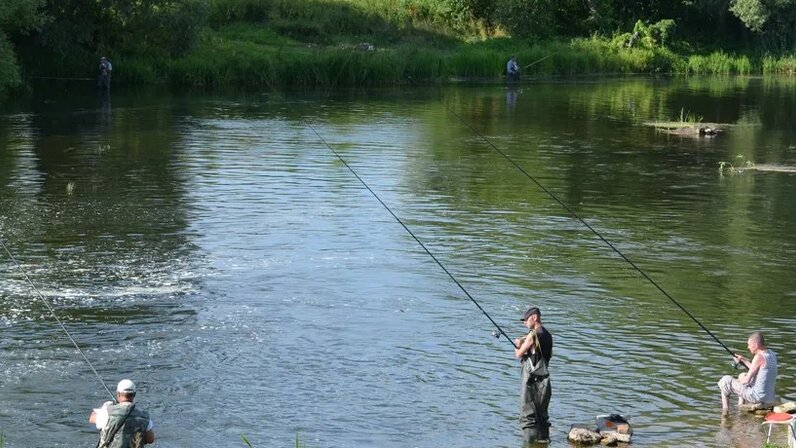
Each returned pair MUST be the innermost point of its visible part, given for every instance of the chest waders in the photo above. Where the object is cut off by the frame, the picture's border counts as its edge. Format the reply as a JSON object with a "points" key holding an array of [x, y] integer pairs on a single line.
{"points": [[125, 428], [104, 82], [535, 393]]}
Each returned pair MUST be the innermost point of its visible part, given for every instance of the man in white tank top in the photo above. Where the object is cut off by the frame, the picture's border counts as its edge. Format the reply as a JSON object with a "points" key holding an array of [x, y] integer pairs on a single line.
{"points": [[759, 383]]}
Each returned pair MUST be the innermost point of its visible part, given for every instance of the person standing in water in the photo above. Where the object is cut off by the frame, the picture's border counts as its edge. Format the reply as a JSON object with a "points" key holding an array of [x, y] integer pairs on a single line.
{"points": [[758, 384], [105, 70], [512, 70], [534, 350], [121, 425]]}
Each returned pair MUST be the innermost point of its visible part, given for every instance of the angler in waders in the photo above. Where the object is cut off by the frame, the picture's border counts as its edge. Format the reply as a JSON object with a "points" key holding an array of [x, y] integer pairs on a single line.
{"points": [[105, 70], [121, 425], [534, 350], [512, 70]]}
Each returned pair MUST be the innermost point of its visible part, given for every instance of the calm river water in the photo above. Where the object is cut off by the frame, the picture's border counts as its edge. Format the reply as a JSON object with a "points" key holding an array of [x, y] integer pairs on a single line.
{"points": [[214, 250]]}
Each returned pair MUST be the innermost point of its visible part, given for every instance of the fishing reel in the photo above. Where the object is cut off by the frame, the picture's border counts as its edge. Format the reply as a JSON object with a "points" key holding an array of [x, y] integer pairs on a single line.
{"points": [[496, 334], [738, 365]]}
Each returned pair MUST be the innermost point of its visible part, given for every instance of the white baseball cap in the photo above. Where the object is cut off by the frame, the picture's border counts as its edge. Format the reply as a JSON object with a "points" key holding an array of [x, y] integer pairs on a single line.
{"points": [[126, 386]]}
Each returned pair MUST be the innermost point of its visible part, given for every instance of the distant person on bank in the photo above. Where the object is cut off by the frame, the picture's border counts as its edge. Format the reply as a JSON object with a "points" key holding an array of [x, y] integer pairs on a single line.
{"points": [[534, 350], [122, 425], [758, 384], [105, 70], [512, 69]]}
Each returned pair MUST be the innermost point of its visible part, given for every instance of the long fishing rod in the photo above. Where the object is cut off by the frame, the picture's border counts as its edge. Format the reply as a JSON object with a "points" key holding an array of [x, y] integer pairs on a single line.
{"points": [[576, 216], [64, 79], [430, 254], [543, 188], [57, 319], [539, 60]]}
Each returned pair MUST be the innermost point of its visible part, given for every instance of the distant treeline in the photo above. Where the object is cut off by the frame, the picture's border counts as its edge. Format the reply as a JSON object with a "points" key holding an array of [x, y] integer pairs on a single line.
{"points": [[737, 24], [211, 42]]}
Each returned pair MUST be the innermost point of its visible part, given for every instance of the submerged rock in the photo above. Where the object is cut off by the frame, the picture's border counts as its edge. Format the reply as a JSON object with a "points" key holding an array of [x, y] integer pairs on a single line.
{"points": [[688, 129], [696, 131], [707, 131], [757, 407]]}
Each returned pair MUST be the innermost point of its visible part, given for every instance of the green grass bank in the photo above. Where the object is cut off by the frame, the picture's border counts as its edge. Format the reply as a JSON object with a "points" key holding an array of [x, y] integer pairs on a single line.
{"points": [[318, 43], [241, 55], [287, 43]]}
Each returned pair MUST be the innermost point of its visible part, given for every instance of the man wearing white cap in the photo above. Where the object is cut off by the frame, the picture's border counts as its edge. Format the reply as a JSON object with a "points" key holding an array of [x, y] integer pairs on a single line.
{"points": [[121, 425]]}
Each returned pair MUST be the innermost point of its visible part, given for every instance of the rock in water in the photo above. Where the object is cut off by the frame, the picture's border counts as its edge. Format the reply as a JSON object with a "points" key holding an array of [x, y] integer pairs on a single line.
{"points": [[609, 439], [756, 407], [583, 436], [615, 435], [614, 425]]}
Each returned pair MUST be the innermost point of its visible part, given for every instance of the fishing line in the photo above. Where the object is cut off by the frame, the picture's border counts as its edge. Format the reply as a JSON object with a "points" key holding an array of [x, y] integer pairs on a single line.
{"points": [[576, 216], [543, 188], [339, 72], [362, 181], [57, 319], [430, 254]]}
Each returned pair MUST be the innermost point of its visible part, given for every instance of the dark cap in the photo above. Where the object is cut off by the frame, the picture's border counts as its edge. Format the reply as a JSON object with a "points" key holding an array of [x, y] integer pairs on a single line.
{"points": [[530, 312]]}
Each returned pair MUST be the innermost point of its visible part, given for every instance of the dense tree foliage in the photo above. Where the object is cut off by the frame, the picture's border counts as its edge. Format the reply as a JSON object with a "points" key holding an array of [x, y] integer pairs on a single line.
{"points": [[77, 32], [17, 17], [770, 24], [774, 20], [66, 37]]}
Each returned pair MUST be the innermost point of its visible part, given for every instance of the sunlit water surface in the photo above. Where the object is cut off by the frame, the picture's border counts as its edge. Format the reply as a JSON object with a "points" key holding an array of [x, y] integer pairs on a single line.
{"points": [[213, 249]]}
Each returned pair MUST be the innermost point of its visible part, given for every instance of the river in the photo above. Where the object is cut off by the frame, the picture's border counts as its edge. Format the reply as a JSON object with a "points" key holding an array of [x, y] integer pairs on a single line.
{"points": [[214, 250]]}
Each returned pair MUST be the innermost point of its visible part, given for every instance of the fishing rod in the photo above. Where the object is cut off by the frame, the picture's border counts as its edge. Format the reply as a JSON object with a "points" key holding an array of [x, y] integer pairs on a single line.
{"points": [[57, 319], [64, 79], [539, 60], [430, 254], [588, 226], [543, 188]]}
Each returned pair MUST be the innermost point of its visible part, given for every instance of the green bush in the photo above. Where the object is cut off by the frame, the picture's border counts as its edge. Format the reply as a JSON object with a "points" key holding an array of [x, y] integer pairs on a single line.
{"points": [[9, 71], [645, 35]]}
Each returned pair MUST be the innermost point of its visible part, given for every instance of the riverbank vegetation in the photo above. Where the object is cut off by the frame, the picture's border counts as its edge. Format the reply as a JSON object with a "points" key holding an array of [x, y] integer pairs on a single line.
{"points": [[367, 42]]}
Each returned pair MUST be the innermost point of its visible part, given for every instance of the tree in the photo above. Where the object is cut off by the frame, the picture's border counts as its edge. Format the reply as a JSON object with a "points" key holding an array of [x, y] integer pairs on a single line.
{"points": [[16, 17], [79, 31], [753, 13], [773, 20], [542, 18]]}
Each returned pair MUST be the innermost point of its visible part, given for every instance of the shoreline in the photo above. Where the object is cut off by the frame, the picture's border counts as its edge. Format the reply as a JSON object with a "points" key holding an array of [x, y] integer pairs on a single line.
{"points": [[219, 63]]}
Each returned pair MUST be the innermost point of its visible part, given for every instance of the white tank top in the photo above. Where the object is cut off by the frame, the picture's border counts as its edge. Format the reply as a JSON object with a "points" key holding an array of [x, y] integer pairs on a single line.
{"points": [[765, 382]]}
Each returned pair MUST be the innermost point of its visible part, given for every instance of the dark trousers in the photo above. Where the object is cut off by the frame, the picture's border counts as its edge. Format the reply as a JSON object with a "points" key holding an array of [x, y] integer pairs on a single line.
{"points": [[535, 393], [104, 82]]}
